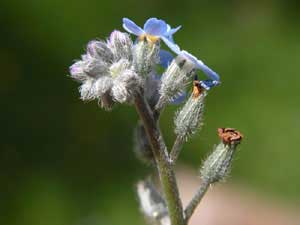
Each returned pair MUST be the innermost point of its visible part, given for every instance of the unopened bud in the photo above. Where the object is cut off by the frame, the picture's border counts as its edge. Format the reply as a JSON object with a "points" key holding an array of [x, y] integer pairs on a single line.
{"points": [[217, 166], [100, 50], [125, 86], [175, 79], [145, 56], [87, 90], [103, 87], [121, 45], [189, 119], [77, 71], [95, 68]]}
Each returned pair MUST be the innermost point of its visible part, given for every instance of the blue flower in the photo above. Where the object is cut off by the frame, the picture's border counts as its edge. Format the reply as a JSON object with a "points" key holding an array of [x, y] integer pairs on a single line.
{"points": [[154, 30]]}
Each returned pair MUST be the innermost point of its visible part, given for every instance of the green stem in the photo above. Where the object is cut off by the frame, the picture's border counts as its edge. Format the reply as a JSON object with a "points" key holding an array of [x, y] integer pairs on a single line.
{"points": [[176, 149], [160, 153], [189, 210]]}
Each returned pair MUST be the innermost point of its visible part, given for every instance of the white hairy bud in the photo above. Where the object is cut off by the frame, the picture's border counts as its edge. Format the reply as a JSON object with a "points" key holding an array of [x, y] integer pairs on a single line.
{"points": [[125, 86], [217, 166], [189, 119], [175, 79], [103, 85], [87, 91], [121, 45], [100, 50], [145, 56], [94, 67]]}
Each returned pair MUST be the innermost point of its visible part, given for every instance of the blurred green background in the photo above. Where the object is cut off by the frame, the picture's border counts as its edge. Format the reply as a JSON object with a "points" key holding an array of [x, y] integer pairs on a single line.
{"points": [[65, 162]]}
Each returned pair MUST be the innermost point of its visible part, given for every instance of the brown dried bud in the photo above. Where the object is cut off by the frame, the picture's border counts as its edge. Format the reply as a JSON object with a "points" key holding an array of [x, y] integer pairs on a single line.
{"points": [[230, 135]]}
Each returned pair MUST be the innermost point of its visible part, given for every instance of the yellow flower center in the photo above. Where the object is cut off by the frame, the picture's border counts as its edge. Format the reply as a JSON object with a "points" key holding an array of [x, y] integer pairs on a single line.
{"points": [[149, 38]]}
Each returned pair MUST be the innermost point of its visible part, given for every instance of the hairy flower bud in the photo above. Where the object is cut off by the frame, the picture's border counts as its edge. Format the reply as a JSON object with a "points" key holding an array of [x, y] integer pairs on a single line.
{"points": [[95, 68], [175, 79], [77, 71], [121, 45], [102, 89], [151, 202], [217, 166], [145, 57], [189, 118], [142, 146], [125, 86], [87, 91], [100, 50]]}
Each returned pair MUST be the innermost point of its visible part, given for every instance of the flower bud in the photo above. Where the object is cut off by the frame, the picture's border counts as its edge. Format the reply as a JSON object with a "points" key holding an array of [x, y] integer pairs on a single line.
{"points": [[151, 202], [175, 79], [95, 67], [145, 57], [189, 118], [87, 91], [102, 90], [121, 45], [217, 166], [77, 71], [99, 50], [125, 86]]}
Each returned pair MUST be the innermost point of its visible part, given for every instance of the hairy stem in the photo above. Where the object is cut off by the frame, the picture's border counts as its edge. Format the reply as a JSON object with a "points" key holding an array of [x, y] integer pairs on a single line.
{"points": [[189, 210], [160, 153], [176, 149]]}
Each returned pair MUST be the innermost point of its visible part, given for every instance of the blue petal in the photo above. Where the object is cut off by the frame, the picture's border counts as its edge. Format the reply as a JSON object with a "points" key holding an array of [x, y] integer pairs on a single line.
{"points": [[131, 27], [192, 58], [155, 27], [170, 32], [174, 30], [200, 65], [209, 72], [179, 99], [175, 48], [208, 84], [165, 58]]}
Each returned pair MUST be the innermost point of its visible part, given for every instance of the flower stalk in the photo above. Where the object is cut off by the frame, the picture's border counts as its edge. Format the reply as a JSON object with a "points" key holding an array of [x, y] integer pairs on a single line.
{"points": [[166, 173]]}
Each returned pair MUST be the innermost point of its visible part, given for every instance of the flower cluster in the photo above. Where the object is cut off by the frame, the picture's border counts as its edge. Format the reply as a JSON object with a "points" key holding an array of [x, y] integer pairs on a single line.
{"points": [[115, 70], [106, 71]]}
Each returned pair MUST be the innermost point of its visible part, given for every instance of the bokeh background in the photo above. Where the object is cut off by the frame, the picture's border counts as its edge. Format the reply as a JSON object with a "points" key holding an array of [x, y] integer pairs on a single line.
{"points": [[65, 162]]}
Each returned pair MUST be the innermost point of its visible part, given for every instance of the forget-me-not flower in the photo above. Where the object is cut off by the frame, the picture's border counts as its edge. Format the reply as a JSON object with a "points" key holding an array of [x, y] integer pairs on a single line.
{"points": [[154, 30]]}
